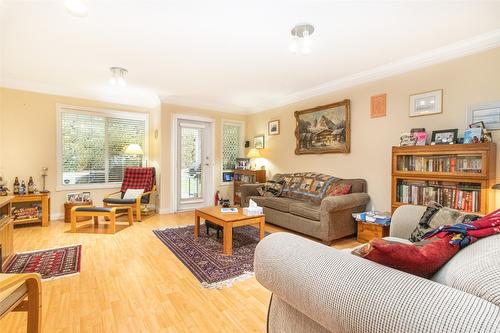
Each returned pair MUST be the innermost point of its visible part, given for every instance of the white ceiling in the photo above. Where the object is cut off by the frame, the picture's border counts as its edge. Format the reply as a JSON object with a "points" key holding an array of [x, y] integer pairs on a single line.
{"points": [[230, 55]]}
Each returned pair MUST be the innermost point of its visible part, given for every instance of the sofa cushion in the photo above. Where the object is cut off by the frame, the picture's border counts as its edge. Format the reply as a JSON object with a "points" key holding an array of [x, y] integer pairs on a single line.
{"points": [[475, 270], [278, 203], [305, 209]]}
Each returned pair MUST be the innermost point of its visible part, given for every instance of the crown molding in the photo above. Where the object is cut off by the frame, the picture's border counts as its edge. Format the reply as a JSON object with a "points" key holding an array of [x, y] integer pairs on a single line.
{"points": [[459, 49], [209, 106], [92, 95]]}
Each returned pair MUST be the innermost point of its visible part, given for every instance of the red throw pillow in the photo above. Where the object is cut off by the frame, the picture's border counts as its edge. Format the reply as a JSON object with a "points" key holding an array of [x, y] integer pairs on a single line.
{"points": [[339, 189], [423, 258]]}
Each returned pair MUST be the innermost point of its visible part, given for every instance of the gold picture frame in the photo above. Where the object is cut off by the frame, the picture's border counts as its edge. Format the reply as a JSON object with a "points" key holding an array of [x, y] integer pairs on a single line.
{"points": [[324, 129]]}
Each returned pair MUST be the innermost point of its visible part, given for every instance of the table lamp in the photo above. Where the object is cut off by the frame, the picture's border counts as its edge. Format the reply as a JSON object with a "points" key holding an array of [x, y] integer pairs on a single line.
{"points": [[253, 154], [134, 150]]}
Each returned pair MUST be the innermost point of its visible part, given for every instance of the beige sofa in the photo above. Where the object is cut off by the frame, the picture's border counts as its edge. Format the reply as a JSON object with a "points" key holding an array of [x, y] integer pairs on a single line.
{"points": [[327, 220], [320, 289]]}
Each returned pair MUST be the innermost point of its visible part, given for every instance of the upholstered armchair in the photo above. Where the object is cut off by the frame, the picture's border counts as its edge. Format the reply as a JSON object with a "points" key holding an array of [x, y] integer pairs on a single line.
{"points": [[22, 292], [143, 178]]}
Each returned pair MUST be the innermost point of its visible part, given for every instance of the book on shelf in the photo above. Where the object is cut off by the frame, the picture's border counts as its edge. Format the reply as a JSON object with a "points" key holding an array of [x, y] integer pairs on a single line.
{"points": [[440, 163], [461, 196]]}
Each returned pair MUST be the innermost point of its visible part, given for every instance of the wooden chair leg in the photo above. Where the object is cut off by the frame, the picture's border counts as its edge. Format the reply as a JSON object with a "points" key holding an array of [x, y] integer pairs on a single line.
{"points": [[73, 221], [138, 211], [96, 220], [130, 216], [112, 221], [34, 307]]}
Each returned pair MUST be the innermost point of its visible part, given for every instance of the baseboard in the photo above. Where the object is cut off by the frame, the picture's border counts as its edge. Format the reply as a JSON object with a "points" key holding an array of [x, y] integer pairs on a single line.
{"points": [[163, 211], [57, 216]]}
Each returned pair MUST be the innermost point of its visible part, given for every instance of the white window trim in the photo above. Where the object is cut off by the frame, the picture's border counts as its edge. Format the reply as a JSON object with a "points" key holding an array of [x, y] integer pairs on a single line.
{"points": [[242, 125], [60, 108]]}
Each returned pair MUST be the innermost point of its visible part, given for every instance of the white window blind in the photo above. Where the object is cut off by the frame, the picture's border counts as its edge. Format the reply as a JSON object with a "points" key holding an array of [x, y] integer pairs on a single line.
{"points": [[93, 146], [232, 144]]}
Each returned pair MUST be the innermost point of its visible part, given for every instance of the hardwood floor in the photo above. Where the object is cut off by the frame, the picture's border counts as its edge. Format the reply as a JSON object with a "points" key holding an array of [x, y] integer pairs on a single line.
{"points": [[131, 282]]}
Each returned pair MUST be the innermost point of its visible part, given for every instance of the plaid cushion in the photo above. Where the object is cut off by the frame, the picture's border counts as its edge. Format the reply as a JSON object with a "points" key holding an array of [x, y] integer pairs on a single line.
{"points": [[139, 178]]}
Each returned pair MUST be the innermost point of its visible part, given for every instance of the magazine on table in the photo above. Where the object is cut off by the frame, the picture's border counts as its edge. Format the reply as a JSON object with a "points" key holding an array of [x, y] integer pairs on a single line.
{"points": [[229, 210]]}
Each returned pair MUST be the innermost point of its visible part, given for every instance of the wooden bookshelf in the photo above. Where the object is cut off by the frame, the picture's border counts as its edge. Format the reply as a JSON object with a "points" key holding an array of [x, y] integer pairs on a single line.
{"points": [[246, 177], [458, 176]]}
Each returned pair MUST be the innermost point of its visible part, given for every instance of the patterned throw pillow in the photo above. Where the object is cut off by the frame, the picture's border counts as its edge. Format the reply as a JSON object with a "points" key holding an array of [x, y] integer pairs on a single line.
{"points": [[435, 216], [339, 189], [271, 188]]}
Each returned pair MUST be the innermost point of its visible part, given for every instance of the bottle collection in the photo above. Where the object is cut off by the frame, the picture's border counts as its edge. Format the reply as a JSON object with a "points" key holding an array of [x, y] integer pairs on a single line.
{"points": [[22, 188]]}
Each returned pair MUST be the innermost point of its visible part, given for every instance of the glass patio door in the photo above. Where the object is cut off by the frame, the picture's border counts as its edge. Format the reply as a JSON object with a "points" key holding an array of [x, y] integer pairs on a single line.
{"points": [[193, 164]]}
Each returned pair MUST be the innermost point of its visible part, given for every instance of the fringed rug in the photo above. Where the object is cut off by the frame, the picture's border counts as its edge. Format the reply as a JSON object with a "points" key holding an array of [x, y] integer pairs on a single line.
{"points": [[204, 256], [49, 264]]}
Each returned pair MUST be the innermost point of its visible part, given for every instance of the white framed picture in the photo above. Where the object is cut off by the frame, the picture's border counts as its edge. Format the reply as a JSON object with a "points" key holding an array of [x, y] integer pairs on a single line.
{"points": [[426, 103], [488, 113]]}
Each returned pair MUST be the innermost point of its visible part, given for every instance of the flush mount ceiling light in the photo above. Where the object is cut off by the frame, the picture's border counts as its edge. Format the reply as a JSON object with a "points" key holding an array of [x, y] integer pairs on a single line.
{"points": [[301, 38], [118, 76], [76, 7]]}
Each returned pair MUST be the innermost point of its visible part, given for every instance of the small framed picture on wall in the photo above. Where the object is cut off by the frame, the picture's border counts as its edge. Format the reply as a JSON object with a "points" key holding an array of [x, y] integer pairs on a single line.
{"points": [[273, 127], [426, 103], [258, 142]]}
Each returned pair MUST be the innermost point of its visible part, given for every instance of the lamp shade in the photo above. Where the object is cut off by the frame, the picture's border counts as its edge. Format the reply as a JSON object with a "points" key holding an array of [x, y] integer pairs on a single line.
{"points": [[253, 153], [496, 186], [134, 149]]}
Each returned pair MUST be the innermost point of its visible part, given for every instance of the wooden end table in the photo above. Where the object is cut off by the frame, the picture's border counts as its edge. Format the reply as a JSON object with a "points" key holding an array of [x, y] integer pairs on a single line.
{"points": [[227, 221], [368, 231], [67, 211]]}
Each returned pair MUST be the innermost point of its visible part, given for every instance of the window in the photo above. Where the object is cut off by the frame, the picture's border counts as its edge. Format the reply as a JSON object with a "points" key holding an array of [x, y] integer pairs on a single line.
{"points": [[92, 146], [232, 143]]}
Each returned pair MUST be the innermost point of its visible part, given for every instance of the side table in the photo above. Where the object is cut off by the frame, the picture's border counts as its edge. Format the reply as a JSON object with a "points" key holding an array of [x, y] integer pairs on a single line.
{"points": [[67, 211], [368, 231]]}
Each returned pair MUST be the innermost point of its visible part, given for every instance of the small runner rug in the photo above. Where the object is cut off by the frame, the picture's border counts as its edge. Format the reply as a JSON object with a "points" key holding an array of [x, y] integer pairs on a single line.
{"points": [[52, 263], [204, 257]]}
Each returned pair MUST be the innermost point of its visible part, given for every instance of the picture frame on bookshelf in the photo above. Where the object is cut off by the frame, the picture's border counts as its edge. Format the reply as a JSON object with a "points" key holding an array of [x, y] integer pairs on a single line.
{"points": [[473, 135], [406, 139], [426, 103], [443, 137], [242, 163], [419, 135]]}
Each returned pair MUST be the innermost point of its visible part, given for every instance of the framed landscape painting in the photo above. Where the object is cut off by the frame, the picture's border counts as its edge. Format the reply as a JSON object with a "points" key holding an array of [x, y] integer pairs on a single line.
{"points": [[323, 129]]}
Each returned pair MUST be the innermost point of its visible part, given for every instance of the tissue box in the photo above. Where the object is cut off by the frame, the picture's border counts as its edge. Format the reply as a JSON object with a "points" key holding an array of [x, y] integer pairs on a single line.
{"points": [[252, 211]]}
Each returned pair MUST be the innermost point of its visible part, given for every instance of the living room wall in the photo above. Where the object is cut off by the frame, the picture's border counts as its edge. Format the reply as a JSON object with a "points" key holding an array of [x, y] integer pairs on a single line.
{"points": [[167, 111], [468, 80], [28, 139]]}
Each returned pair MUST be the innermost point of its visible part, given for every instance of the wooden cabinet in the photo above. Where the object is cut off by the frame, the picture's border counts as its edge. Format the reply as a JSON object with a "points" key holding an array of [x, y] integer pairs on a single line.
{"points": [[246, 177], [6, 229], [458, 176], [368, 231]]}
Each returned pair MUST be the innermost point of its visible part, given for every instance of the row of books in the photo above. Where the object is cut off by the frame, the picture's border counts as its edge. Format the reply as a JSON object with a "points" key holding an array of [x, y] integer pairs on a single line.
{"points": [[244, 178], [457, 196], [455, 163]]}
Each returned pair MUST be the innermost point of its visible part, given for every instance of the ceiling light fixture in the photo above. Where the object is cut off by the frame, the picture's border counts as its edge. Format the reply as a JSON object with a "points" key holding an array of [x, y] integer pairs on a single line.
{"points": [[76, 7], [118, 76], [301, 38]]}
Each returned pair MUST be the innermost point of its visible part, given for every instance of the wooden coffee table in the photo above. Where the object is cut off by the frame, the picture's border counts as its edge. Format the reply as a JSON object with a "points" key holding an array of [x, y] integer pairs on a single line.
{"points": [[227, 221]]}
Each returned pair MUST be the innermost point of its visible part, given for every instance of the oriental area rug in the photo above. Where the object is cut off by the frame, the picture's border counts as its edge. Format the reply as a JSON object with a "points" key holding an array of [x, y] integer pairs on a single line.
{"points": [[204, 257], [50, 264]]}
